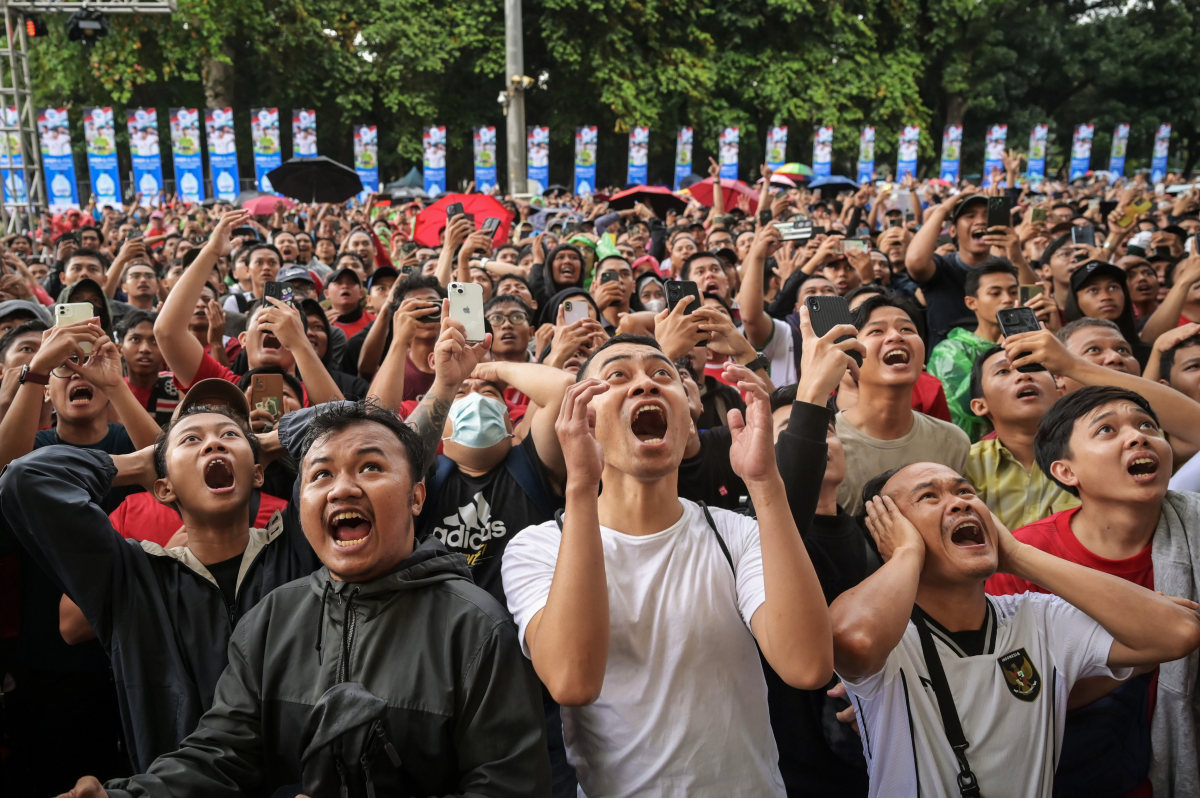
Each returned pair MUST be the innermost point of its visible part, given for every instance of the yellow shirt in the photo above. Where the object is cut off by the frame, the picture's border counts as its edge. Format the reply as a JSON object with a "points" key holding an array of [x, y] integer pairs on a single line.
{"points": [[1017, 497]]}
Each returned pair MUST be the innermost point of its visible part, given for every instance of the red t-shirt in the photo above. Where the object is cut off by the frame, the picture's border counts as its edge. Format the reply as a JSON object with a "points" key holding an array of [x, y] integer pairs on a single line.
{"points": [[1054, 535], [352, 328], [141, 517], [929, 397]]}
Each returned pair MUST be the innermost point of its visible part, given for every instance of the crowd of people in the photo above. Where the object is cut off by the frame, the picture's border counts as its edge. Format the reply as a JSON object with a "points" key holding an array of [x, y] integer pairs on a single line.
{"points": [[274, 522]]}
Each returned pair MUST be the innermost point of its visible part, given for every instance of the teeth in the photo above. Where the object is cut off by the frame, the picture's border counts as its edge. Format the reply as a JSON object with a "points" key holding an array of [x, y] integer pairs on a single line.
{"points": [[347, 516], [346, 544]]}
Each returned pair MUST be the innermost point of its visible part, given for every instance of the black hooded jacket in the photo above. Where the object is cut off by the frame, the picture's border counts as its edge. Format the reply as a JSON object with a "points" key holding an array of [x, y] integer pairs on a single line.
{"points": [[541, 277], [463, 710]]}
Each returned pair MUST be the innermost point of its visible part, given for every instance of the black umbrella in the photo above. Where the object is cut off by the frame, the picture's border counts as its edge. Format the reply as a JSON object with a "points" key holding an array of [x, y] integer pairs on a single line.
{"points": [[317, 179], [660, 199], [554, 189]]}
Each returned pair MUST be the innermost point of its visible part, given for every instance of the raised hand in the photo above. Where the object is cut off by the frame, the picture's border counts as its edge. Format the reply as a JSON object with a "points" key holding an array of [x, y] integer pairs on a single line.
{"points": [[454, 358], [824, 359], [752, 453], [576, 430], [220, 241], [890, 529]]}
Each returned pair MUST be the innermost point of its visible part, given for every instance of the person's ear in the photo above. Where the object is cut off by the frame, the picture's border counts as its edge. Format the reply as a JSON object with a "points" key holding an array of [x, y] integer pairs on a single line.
{"points": [[259, 475], [971, 302], [242, 337], [1165, 382], [1064, 473], [979, 407], [164, 491], [418, 497], [1060, 385]]}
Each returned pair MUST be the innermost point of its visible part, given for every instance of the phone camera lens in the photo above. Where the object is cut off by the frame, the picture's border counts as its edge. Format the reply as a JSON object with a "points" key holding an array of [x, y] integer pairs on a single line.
{"points": [[816, 306]]}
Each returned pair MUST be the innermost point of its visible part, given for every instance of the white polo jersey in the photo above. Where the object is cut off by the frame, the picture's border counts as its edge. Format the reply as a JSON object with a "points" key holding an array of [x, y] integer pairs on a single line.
{"points": [[1011, 700]]}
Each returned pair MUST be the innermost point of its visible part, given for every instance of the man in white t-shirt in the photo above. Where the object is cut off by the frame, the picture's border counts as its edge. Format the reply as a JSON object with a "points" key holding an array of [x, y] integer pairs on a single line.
{"points": [[1005, 665], [641, 614]]}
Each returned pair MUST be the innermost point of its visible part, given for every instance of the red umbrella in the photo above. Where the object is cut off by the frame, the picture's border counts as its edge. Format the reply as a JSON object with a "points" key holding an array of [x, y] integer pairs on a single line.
{"points": [[702, 192], [660, 199], [265, 205], [432, 220]]}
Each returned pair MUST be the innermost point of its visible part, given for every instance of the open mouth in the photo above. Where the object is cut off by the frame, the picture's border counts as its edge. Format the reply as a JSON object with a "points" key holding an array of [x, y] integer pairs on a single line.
{"points": [[1143, 468], [271, 342], [977, 233], [649, 423], [1029, 392], [81, 394], [968, 533], [349, 528], [895, 357], [218, 475]]}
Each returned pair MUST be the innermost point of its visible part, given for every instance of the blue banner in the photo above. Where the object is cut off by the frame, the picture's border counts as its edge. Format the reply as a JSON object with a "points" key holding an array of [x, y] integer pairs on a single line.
{"points": [[144, 152], [11, 173], [485, 159], [776, 146], [683, 155], [730, 138], [1162, 147], [304, 133], [366, 158], [585, 159], [1120, 142], [1036, 169], [866, 154], [1081, 150], [537, 155], [185, 154], [58, 165], [433, 142], [951, 152], [993, 151], [906, 163], [822, 164], [101, 137], [268, 150], [222, 153], [639, 156]]}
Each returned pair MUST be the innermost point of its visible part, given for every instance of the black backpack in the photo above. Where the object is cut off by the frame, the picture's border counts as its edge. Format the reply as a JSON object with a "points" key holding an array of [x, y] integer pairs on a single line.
{"points": [[347, 753]]}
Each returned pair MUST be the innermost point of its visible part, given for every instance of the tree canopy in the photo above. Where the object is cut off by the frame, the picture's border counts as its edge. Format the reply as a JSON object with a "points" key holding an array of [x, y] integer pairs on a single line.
{"points": [[404, 64]]}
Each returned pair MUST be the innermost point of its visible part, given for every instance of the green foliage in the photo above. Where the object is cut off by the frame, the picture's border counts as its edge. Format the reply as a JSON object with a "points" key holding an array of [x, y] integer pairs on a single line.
{"points": [[663, 63]]}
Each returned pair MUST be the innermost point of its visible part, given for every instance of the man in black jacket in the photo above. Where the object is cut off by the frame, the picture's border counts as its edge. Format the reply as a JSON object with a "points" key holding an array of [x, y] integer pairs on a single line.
{"points": [[459, 710]]}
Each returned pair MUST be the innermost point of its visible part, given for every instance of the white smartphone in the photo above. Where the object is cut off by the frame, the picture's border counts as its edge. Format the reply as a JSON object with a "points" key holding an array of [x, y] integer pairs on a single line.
{"points": [[71, 313], [466, 306], [575, 310]]}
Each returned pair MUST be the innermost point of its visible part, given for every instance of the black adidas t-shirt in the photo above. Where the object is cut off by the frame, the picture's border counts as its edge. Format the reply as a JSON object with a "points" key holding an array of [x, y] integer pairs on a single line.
{"points": [[477, 516]]}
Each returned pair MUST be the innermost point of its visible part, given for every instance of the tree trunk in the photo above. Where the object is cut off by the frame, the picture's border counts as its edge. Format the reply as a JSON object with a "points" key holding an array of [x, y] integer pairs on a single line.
{"points": [[219, 79], [956, 108]]}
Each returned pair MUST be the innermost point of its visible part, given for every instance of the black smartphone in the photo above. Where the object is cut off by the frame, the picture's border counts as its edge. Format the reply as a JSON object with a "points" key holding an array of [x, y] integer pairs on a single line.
{"points": [[490, 225], [1083, 234], [999, 212], [454, 209], [1019, 320], [678, 289], [895, 221], [764, 217], [276, 290], [826, 312], [1107, 207], [610, 277]]}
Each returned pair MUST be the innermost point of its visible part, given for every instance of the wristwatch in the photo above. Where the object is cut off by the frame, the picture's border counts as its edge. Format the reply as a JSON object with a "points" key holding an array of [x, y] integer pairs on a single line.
{"points": [[758, 363], [29, 375]]}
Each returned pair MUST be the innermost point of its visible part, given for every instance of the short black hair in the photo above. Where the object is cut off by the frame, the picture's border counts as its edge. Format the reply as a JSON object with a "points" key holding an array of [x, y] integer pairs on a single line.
{"points": [[636, 340], [250, 249], [783, 397], [872, 289], [508, 299], [85, 253], [334, 417], [1053, 439], [414, 282], [976, 386], [1055, 245], [130, 320], [874, 485], [13, 333], [516, 277], [990, 266], [160, 445], [1165, 364], [862, 314], [1072, 327]]}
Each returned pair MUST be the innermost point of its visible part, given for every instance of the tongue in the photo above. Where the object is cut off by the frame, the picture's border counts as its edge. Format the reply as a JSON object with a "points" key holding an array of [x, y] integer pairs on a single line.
{"points": [[218, 475], [351, 530]]}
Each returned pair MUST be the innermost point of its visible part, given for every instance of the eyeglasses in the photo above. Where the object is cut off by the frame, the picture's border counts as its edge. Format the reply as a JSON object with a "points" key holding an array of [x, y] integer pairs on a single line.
{"points": [[64, 372], [516, 318]]}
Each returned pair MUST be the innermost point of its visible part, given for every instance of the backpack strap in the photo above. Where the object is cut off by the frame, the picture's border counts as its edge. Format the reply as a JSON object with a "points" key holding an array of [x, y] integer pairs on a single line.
{"points": [[968, 786]]}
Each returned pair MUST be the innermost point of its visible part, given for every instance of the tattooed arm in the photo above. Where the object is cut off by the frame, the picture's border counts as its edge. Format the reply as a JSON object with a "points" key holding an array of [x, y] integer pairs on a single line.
{"points": [[428, 421]]}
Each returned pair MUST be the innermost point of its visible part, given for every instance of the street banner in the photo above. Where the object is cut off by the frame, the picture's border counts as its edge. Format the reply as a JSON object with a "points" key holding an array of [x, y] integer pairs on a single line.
{"points": [[58, 165], [433, 145], [585, 159], [268, 150], [100, 136], [822, 164], [866, 154], [906, 162], [1035, 169], [304, 133], [145, 153], [485, 158], [951, 152], [683, 155], [776, 146], [537, 155], [638, 171], [730, 137], [1162, 147]]}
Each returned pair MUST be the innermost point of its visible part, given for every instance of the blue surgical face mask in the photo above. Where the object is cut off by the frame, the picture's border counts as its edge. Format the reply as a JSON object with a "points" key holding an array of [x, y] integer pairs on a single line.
{"points": [[479, 421]]}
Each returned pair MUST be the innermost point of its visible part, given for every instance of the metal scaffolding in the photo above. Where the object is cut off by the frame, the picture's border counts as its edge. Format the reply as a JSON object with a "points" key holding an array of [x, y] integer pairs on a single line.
{"points": [[20, 153]]}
